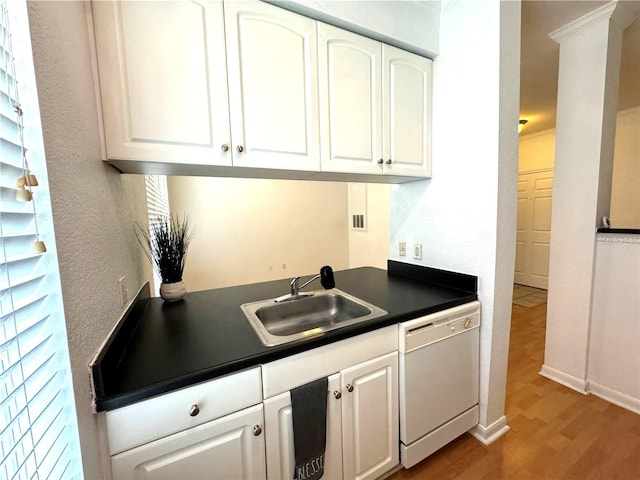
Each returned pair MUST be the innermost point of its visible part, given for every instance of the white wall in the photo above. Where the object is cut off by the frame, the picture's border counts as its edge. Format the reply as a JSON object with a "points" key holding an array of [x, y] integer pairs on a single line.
{"points": [[409, 24], [614, 338], [92, 203], [371, 247], [247, 229], [537, 152], [625, 191], [589, 68], [465, 216]]}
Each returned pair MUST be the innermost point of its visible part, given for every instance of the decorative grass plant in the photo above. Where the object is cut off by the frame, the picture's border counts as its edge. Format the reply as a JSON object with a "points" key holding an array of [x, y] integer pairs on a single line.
{"points": [[165, 244]]}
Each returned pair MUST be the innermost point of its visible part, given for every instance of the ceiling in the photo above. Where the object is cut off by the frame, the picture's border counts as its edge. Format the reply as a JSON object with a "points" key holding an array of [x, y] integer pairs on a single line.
{"points": [[539, 59]]}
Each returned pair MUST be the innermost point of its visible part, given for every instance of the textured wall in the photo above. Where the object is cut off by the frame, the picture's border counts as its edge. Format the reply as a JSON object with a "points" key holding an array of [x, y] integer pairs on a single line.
{"points": [[92, 203], [465, 216]]}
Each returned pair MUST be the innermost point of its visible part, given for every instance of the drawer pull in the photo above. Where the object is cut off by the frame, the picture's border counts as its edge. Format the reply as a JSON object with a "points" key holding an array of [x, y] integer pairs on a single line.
{"points": [[194, 410], [256, 430], [337, 395], [349, 387]]}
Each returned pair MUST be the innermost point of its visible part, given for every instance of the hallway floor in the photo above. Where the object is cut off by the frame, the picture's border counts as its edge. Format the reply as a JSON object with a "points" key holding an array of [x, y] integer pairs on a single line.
{"points": [[556, 433], [528, 296]]}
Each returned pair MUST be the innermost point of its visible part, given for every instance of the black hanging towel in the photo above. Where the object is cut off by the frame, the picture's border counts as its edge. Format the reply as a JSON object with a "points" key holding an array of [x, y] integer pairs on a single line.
{"points": [[309, 415]]}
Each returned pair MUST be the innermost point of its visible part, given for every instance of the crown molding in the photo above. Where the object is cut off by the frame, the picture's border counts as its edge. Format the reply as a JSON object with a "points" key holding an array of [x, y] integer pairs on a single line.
{"points": [[585, 22]]}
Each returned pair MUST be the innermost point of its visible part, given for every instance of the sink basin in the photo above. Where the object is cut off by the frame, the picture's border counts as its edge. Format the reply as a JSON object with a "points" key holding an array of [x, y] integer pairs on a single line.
{"points": [[282, 322]]}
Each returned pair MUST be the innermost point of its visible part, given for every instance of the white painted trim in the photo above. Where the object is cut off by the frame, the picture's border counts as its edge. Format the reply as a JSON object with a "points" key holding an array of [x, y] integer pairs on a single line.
{"points": [[583, 23], [93, 55], [488, 435], [615, 397], [603, 237], [565, 379]]}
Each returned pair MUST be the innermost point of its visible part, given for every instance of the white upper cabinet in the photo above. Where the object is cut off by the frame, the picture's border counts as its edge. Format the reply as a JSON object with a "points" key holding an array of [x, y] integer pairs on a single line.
{"points": [[407, 112], [272, 61], [350, 101], [193, 87], [375, 106], [163, 81]]}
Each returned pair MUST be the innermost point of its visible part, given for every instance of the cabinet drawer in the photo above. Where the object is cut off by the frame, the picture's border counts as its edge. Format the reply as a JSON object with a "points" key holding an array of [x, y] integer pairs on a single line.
{"points": [[149, 420]]}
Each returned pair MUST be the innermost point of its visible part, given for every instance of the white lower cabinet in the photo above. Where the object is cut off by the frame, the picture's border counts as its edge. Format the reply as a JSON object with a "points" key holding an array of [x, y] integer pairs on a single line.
{"points": [[370, 436], [279, 434], [230, 447], [240, 427], [362, 424]]}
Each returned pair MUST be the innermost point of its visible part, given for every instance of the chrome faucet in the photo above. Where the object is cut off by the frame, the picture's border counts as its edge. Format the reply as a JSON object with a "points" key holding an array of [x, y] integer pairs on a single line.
{"points": [[326, 279]]}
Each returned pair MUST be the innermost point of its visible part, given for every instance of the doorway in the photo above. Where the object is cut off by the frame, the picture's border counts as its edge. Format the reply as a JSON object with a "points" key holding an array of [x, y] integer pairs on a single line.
{"points": [[533, 231]]}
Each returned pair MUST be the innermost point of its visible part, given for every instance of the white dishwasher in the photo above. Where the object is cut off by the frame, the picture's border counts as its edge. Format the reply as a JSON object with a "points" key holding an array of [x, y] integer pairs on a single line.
{"points": [[439, 370]]}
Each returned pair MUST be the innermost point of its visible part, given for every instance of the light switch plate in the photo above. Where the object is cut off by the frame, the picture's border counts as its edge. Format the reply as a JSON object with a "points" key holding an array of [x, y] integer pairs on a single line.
{"points": [[402, 249], [417, 251]]}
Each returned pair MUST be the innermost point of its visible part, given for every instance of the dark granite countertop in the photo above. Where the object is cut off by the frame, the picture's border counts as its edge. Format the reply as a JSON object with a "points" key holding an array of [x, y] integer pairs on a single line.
{"points": [[159, 347], [625, 231]]}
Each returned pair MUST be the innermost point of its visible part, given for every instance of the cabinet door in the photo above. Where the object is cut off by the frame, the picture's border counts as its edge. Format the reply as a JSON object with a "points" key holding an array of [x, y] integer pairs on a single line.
{"points": [[407, 113], [272, 60], [370, 416], [222, 449], [279, 434], [163, 80], [350, 80]]}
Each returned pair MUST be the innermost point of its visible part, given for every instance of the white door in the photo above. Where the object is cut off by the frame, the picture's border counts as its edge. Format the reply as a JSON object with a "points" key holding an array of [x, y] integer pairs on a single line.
{"points": [[273, 96], [163, 80], [406, 104], [279, 434], [370, 418], [350, 77], [533, 228], [228, 448]]}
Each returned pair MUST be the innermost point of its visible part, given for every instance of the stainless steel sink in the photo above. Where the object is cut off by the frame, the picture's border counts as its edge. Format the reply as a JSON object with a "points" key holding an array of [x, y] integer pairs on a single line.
{"points": [[282, 322]]}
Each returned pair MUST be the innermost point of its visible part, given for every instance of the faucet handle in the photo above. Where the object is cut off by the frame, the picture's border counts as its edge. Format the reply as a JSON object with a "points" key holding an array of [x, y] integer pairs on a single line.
{"points": [[326, 277]]}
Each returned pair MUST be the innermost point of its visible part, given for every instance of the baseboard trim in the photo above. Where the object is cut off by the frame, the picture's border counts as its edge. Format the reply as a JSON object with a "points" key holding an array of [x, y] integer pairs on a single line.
{"points": [[565, 379], [615, 397], [488, 435]]}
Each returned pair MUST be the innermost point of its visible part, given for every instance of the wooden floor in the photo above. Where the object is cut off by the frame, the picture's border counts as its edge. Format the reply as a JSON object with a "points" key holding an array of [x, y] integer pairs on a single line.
{"points": [[556, 433]]}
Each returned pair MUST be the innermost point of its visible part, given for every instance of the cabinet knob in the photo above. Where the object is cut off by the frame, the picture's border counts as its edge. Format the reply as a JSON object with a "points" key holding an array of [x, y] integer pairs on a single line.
{"points": [[349, 387], [224, 147], [256, 430], [389, 162], [380, 162], [337, 395], [240, 149], [194, 410]]}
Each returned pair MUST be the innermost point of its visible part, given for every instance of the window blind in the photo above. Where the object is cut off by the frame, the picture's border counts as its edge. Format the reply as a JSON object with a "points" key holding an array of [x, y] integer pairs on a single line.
{"points": [[157, 206], [38, 427]]}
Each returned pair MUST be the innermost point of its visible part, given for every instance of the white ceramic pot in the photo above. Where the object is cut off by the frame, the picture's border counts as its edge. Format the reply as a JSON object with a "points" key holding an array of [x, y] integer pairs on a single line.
{"points": [[172, 292]]}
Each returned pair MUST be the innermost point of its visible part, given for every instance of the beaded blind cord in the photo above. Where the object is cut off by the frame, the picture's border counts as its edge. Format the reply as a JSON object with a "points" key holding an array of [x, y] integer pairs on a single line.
{"points": [[27, 180]]}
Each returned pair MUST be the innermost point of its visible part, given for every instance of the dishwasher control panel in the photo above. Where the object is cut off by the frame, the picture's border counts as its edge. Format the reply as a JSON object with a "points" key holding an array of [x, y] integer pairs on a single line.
{"points": [[437, 326]]}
